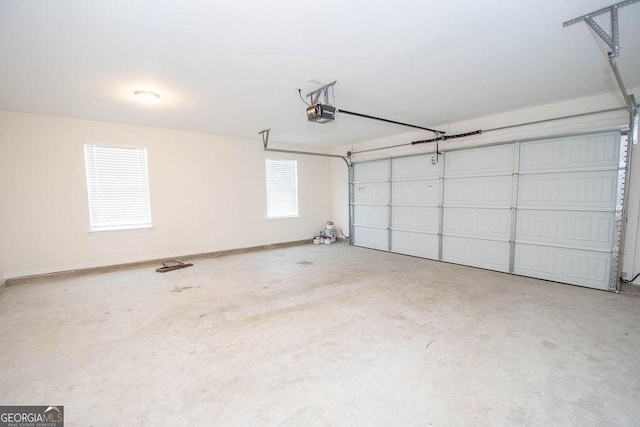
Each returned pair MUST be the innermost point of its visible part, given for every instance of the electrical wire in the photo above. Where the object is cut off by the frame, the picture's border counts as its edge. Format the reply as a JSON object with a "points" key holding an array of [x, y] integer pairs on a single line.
{"points": [[300, 94], [629, 281]]}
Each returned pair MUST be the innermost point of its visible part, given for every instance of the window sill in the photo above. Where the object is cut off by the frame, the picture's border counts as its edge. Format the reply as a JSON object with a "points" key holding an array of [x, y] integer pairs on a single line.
{"points": [[123, 228]]}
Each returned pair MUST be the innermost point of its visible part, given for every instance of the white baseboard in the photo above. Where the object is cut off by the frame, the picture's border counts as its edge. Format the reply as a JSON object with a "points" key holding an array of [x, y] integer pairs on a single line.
{"points": [[91, 268]]}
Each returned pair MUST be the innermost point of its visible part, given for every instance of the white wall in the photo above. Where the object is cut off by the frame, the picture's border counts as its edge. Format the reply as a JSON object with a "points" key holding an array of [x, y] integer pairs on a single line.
{"points": [[631, 259], [207, 194]]}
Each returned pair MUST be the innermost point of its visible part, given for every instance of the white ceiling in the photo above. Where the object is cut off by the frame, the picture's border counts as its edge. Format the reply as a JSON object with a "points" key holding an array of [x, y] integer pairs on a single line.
{"points": [[228, 67]]}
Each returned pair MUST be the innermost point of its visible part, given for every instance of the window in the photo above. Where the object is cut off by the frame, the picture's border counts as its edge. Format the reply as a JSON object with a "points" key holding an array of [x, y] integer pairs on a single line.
{"points": [[282, 188], [118, 187]]}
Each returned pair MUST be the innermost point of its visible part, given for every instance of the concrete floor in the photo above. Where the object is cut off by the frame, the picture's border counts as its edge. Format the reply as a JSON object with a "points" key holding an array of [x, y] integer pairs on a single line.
{"points": [[321, 335]]}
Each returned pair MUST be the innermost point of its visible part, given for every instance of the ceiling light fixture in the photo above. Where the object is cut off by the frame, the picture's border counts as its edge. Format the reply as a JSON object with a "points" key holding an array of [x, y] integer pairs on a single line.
{"points": [[147, 97]]}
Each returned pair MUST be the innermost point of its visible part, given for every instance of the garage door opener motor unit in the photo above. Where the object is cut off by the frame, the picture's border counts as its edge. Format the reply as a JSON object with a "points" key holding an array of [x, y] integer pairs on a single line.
{"points": [[321, 113]]}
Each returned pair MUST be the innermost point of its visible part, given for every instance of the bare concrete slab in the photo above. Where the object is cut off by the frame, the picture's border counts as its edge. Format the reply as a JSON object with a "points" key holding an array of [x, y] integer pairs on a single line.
{"points": [[320, 335]]}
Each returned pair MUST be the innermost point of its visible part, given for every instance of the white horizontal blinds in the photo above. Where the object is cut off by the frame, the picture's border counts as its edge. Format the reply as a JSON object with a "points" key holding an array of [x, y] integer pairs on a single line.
{"points": [[118, 187], [282, 188]]}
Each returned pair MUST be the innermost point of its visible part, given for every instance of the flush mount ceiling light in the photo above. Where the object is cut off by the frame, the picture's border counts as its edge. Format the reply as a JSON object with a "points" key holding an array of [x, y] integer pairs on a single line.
{"points": [[147, 97]]}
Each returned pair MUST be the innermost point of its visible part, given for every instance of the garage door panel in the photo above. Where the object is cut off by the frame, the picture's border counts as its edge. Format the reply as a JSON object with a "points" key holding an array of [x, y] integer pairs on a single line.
{"points": [[372, 171], [585, 267], [423, 192], [416, 244], [593, 190], [373, 238], [373, 216], [579, 152], [424, 219], [476, 252], [373, 193], [480, 161], [579, 267], [586, 188], [474, 222], [539, 190], [566, 228], [480, 191], [594, 151], [414, 167], [541, 155]]}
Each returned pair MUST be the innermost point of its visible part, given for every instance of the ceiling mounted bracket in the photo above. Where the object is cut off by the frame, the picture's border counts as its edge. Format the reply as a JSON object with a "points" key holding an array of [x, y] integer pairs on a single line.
{"points": [[611, 40], [324, 90], [265, 137], [265, 143]]}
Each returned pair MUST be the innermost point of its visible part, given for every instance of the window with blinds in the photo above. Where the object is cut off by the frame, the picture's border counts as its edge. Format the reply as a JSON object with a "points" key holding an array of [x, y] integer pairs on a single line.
{"points": [[118, 185], [282, 188]]}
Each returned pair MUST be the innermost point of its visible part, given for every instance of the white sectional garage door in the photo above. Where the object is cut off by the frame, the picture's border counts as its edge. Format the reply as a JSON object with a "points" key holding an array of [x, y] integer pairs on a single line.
{"points": [[545, 208]]}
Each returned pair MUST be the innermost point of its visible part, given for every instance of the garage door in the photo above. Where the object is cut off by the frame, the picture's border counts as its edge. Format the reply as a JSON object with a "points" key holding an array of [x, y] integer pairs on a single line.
{"points": [[547, 208]]}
